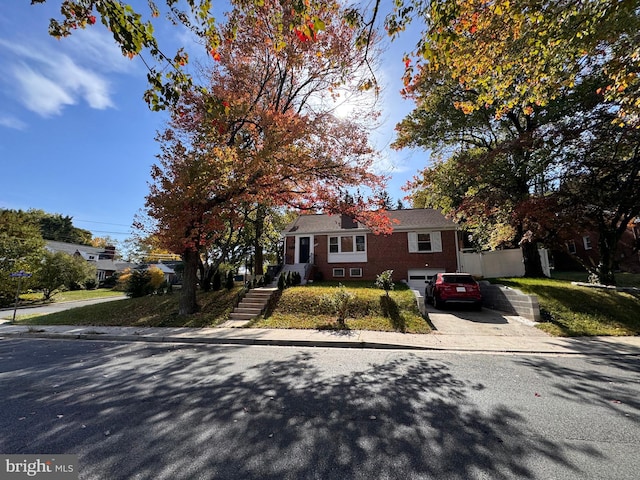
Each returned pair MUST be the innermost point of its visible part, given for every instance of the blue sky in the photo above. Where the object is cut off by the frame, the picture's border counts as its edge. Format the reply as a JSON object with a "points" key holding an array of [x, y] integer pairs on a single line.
{"points": [[76, 138]]}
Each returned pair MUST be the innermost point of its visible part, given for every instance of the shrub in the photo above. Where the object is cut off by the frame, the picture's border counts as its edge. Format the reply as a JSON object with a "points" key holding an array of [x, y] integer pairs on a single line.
{"points": [[156, 278], [139, 284], [339, 301], [385, 281], [282, 284]]}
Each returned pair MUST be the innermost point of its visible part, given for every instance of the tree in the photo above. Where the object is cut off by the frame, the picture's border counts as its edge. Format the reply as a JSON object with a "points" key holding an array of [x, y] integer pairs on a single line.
{"points": [[517, 54], [167, 73], [489, 167], [21, 248], [262, 132], [60, 270], [600, 184]]}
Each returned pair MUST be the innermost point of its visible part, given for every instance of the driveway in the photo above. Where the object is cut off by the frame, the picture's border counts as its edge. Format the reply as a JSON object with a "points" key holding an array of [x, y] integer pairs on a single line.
{"points": [[460, 321]]}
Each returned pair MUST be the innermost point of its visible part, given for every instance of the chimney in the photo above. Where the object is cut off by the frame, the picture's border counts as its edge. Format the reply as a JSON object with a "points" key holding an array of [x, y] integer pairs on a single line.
{"points": [[347, 222]]}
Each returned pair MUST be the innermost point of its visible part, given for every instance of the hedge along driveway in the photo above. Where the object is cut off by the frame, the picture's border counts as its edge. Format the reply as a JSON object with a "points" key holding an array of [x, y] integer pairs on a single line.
{"points": [[305, 307]]}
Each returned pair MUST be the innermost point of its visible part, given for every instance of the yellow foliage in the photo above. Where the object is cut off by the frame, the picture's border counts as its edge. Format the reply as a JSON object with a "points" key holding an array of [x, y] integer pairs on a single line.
{"points": [[157, 277]]}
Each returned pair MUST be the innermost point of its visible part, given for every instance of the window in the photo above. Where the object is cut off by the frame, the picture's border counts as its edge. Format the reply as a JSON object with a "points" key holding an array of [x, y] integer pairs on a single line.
{"points": [[587, 242], [425, 242], [355, 272], [333, 244], [571, 246], [347, 244], [338, 272]]}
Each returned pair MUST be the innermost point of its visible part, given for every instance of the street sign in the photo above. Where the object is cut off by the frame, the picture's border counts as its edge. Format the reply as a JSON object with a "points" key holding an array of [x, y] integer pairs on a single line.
{"points": [[20, 274]]}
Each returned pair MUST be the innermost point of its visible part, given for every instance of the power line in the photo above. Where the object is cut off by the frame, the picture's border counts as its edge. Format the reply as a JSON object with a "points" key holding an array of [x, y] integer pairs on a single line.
{"points": [[103, 223]]}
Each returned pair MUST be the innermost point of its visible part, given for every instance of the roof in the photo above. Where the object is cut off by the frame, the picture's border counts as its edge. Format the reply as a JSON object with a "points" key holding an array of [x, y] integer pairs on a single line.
{"points": [[113, 266], [405, 220], [71, 248]]}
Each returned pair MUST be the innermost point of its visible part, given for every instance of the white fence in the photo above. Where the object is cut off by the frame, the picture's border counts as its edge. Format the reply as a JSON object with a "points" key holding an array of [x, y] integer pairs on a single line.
{"points": [[499, 263]]}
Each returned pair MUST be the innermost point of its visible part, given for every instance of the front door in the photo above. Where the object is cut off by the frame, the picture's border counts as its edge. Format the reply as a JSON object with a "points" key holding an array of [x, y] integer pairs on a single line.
{"points": [[304, 250]]}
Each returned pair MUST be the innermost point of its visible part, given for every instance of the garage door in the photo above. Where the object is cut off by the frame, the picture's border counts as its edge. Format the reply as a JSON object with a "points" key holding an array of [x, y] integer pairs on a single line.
{"points": [[418, 278]]}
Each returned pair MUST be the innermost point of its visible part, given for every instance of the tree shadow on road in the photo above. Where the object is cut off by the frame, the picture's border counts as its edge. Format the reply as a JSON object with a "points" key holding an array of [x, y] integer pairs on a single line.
{"points": [[181, 412]]}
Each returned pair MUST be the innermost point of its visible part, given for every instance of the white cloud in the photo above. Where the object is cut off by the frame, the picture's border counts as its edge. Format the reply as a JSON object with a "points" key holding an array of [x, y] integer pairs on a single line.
{"points": [[12, 122], [41, 94], [47, 80]]}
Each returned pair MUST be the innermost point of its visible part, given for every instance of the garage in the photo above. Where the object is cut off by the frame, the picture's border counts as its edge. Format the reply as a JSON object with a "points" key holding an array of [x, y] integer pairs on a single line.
{"points": [[418, 278]]}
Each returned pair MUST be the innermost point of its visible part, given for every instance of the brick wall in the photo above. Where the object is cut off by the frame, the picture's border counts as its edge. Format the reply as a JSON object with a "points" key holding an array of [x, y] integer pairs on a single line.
{"points": [[509, 300], [389, 253]]}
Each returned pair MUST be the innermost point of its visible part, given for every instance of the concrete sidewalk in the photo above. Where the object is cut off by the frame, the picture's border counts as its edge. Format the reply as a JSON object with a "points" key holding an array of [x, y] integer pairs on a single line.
{"points": [[337, 339]]}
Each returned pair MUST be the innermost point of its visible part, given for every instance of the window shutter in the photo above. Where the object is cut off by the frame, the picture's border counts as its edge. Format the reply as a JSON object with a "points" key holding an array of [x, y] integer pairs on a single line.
{"points": [[413, 242], [436, 242]]}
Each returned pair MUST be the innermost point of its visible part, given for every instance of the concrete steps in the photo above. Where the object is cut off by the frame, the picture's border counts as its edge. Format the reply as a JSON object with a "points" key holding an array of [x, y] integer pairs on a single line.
{"points": [[252, 305]]}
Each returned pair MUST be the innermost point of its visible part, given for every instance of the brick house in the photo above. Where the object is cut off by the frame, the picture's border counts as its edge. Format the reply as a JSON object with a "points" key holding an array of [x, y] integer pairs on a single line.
{"points": [[585, 246], [335, 247]]}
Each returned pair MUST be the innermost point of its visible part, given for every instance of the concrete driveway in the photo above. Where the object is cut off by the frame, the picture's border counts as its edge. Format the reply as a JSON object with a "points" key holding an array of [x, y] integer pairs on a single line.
{"points": [[464, 321]]}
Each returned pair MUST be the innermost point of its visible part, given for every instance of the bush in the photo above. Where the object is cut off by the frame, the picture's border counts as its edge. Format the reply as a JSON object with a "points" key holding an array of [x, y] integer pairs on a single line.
{"points": [[282, 284], [139, 284], [339, 301], [385, 281]]}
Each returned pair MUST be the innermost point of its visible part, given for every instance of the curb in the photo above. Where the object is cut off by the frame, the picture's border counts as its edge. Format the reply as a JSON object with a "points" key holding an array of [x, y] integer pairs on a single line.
{"points": [[283, 342]]}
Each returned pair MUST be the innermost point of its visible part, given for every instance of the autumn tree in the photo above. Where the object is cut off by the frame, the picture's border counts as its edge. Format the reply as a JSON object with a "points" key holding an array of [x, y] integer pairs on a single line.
{"points": [[263, 132], [487, 167], [517, 54], [133, 30], [600, 179]]}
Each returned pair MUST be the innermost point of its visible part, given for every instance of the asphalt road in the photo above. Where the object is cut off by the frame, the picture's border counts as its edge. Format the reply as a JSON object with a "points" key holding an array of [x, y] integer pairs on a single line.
{"points": [[157, 411]]}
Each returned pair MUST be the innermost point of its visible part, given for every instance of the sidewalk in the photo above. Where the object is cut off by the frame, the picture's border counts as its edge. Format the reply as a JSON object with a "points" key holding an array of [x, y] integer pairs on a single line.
{"points": [[350, 339]]}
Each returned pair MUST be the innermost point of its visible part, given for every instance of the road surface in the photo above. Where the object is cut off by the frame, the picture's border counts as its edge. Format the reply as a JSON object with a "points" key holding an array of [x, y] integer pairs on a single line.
{"points": [[159, 411]]}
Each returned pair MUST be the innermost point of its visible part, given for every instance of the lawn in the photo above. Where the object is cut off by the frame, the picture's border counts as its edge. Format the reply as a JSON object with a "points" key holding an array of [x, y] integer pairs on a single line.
{"points": [[70, 295], [571, 310], [150, 311], [305, 307]]}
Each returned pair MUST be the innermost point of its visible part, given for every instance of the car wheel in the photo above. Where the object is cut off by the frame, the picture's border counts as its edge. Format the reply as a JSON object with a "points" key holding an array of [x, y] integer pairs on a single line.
{"points": [[439, 304]]}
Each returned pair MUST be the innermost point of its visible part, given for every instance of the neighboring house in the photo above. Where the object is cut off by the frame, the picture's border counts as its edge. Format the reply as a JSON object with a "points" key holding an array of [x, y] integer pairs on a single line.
{"points": [[585, 247], [103, 258], [335, 247], [169, 273]]}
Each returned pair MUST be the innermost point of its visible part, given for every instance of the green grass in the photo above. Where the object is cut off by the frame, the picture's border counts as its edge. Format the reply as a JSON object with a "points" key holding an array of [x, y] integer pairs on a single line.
{"points": [[622, 279], [72, 295], [303, 307], [570, 310], [151, 311]]}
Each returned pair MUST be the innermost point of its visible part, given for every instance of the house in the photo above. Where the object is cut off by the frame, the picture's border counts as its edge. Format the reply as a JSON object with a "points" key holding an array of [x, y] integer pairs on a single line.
{"points": [[103, 258], [335, 247], [169, 273], [585, 247]]}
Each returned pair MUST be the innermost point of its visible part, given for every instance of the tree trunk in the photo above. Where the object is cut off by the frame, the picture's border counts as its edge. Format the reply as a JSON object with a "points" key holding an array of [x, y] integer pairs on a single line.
{"points": [[188, 303], [607, 246], [531, 258], [258, 260]]}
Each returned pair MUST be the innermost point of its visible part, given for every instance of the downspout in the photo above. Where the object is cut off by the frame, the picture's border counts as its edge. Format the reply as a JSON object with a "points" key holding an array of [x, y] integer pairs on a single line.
{"points": [[457, 249]]}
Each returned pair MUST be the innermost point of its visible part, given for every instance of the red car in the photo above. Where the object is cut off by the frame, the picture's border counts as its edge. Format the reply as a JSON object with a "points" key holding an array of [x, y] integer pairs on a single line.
{"points": [[444, 288]]}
